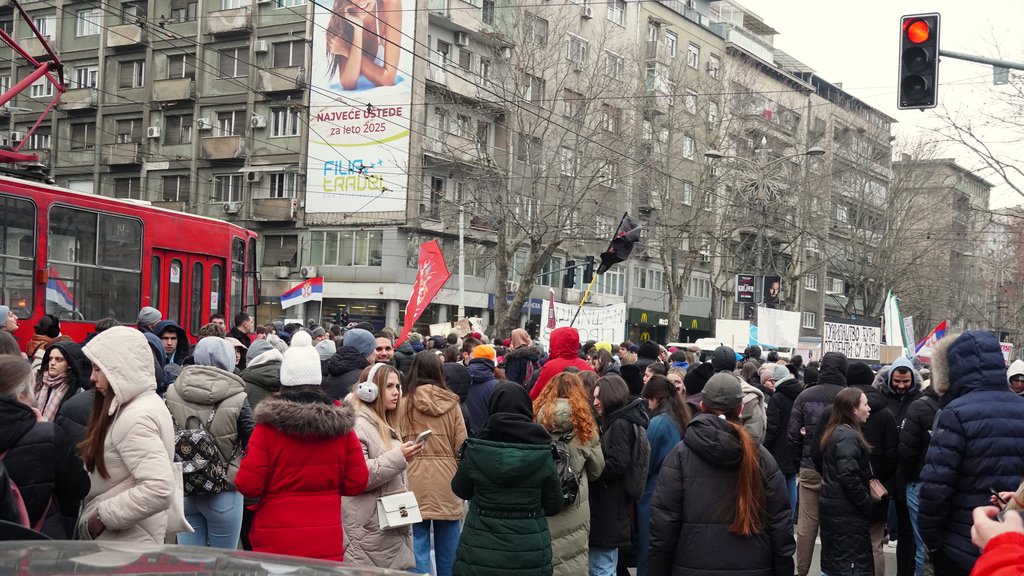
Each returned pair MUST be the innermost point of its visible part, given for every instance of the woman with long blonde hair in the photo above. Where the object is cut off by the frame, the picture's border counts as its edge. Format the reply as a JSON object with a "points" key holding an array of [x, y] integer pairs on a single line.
{"points": [[375, 399], [563, 409]]}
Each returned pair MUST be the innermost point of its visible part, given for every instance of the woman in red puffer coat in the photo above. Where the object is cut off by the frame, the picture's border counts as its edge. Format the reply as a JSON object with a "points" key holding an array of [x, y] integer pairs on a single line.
{"points": [[303, 456]]}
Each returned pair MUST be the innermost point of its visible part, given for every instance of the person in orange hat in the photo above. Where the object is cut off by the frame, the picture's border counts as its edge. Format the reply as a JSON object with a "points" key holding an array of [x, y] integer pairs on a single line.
{"points": [[482, 381]]}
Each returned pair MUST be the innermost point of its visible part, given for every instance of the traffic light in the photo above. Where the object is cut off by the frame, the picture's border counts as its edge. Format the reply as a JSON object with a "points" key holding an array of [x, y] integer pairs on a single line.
{"points": [[588, 271], [570, 274], [919, 62]]}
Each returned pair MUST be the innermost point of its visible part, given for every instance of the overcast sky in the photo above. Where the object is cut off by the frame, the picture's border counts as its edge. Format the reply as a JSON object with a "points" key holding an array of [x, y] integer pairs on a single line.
{"points": [[857, 44]]}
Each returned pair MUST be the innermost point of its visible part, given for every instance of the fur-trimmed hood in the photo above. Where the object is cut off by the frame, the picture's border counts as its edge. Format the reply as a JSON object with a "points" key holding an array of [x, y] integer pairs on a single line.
{"points": [[305, 418], [532, 352], [962, 363]]}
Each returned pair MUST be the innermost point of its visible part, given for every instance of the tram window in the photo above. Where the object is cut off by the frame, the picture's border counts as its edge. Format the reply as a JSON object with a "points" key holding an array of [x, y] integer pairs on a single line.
{"points": [[216, 290], [95, 262], [174, 293], [17, 254], [237, 270], [252, 290], [195, 305], [155, 270]]}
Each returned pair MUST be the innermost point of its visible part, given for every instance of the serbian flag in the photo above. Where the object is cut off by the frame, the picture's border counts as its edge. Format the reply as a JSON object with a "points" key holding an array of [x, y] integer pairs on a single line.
{"points": [[924, 347], [551, 309], [312, 289], [431, 274], [621, 246], [58, 293]]}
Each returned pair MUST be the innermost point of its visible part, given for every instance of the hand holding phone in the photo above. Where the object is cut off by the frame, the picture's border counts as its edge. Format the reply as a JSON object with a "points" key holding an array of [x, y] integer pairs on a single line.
{"points": [[422, 438]]}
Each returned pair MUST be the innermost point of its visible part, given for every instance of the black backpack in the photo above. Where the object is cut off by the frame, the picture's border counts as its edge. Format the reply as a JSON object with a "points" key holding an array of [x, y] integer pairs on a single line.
{"points": [[568, 478], [204, 469], [636, 474]]}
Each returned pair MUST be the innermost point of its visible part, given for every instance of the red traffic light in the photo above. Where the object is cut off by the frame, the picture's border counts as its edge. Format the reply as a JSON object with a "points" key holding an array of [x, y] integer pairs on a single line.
{"points": [[917, 31]]}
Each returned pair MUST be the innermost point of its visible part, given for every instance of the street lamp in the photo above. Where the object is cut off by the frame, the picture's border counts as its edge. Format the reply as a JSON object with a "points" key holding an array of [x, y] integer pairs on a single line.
{"points": [[762, 186]]}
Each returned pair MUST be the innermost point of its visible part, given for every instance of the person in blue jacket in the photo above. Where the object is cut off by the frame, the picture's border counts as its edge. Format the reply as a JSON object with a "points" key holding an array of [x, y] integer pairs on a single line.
{"points": [[975, 446]]}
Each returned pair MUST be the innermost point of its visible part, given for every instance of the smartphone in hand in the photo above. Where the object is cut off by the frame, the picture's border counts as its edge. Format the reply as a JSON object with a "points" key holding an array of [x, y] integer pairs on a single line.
{"points": [[422, 438]]}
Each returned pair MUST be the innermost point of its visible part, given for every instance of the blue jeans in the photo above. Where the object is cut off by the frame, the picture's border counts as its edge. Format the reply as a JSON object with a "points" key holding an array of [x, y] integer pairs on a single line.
{"points": [[446, 541], [603, 561], [216, 518], [914, 503], [791, 485]]}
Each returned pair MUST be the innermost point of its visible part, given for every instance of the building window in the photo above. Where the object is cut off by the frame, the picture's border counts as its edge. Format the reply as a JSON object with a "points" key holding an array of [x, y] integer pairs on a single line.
{"points": [[5, 82], [842, 214], [87, 22], [346, 247], [611, 118], [47, 25], [183, 10], [811, 282], [283, 184], [714, 66], [576, 49], [132, 13], [83, 136], [178, 129], [530, 149], [285, 122], [836, 286], [690, 101], [615, 65], [713, 113], [128, 131], [231, 4], [567, 161], [227, 188], [128, 188], [689, 147], [612, 282], [709, 201], [487, 12], [686, 194], [693, 56], [607, 174], [86, 77], [132, 74], [289, 3], [176, 188], [653, 30], [40, 139], [671, 43], [229, 122], [535, 29], [466, 59], [233, 63], [809, 319], [617, 11], [41, 88], [288, 54], [534, 89], [181, 66]]}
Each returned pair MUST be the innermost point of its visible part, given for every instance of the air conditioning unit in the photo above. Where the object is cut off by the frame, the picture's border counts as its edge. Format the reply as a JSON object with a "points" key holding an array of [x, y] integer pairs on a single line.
{"points": [[578, 64], [232, 207], [588, 12], [307, 271], [17, 136], [261, 47], [705, 255], [153, 132], [204, 124], [281, 272], [461, 39], [252, 177], [258, 121]]}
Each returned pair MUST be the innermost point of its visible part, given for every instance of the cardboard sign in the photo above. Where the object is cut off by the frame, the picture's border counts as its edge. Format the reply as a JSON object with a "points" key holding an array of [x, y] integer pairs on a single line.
{"points": [[857, 342], [601, 323], [734, 333]]}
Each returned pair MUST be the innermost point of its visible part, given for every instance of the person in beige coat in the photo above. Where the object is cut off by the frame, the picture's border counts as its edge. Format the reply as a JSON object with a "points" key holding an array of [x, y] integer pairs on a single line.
{"points": [[429, 405], [375, 399], [129, 444]]}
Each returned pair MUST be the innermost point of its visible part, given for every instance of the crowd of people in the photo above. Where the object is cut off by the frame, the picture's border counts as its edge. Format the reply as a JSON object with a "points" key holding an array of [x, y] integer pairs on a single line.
{"points": [[462, 455]]}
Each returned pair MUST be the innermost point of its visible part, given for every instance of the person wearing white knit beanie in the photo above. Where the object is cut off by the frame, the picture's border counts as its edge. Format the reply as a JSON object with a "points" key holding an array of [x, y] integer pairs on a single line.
{"points": [[301, 365]]}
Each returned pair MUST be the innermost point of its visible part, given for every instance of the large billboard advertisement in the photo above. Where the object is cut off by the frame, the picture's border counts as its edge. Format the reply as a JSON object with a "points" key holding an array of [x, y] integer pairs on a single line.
{"points": [[360, 105]]}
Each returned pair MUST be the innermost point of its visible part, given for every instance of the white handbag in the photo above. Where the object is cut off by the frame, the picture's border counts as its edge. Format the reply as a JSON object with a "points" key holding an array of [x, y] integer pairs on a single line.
{"points": [[176, 521], [398, 510]]}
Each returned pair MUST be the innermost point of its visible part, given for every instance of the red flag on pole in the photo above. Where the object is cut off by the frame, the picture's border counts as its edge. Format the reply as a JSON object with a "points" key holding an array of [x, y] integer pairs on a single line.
{"points": [[551, 309], [431, 274]]}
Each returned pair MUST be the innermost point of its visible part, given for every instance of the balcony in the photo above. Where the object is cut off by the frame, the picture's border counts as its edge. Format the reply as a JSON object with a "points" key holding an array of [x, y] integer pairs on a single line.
{"points": [[233, 21], [34, 47], [124, 154], [126, 36], [659, 52], [174, 90], [283, 79], [750, 42], [79, 99], [274, 209], [222, 148]]}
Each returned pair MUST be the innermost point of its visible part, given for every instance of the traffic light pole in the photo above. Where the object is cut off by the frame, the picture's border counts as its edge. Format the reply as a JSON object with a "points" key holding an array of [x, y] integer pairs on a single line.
{"points": [[982, 60]]}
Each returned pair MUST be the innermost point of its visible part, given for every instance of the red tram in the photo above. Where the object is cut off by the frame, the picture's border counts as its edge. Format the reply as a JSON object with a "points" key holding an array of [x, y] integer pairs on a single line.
{"points": [[83, 257]]}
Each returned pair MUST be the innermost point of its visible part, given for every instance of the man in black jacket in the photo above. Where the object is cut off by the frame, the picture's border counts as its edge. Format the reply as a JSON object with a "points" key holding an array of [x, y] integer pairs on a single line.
{"points": [[780, 408], [915, 436], [807, 410]]}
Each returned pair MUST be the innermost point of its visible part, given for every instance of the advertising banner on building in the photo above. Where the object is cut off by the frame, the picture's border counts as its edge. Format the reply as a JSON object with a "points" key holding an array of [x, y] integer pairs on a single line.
{"points": [[745, 288], [857, 342], [601, 323], [360, 105], [772, 290]]}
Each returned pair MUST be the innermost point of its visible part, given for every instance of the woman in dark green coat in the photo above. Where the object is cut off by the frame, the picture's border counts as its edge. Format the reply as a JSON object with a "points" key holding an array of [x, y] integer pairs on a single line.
{"points": [[508, 474]]}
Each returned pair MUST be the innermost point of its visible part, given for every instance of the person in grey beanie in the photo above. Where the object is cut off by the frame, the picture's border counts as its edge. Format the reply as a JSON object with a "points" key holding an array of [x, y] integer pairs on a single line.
{"points": [[326, 348], [148, 317], [8, 320], [358, 350]]}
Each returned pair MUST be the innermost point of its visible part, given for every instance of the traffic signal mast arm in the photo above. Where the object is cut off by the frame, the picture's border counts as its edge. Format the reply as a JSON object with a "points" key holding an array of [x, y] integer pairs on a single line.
{"points": [[994, 62]]}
